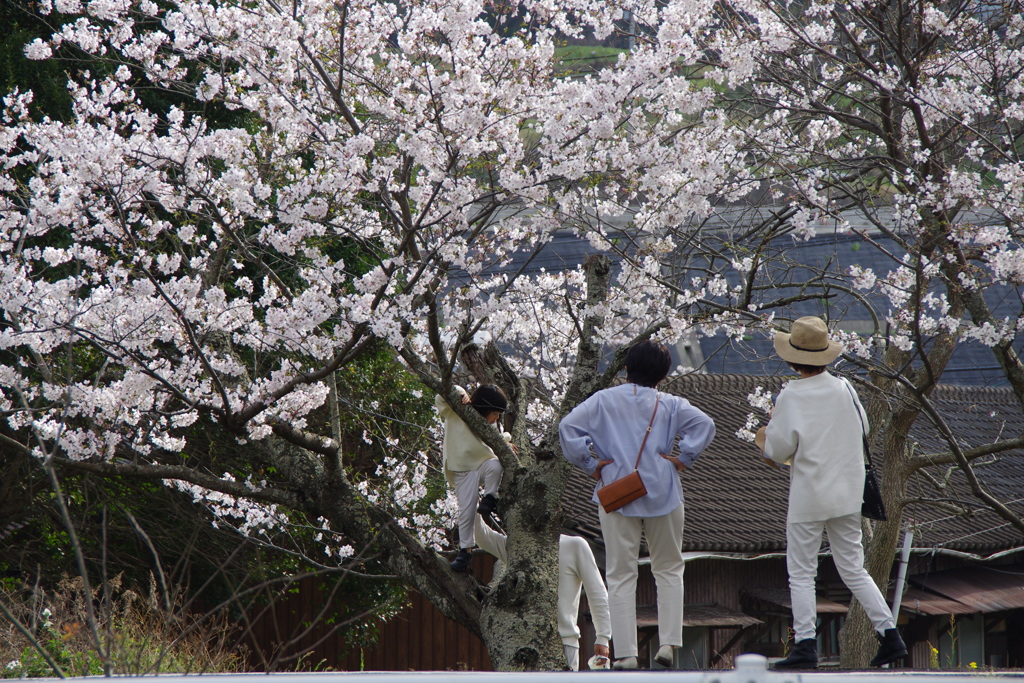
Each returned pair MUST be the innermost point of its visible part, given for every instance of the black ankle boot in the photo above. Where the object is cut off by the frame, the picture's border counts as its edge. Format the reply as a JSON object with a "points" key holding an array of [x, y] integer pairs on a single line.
{"points": [[461, 561], [804, 655], [890, 647], [488, 504]]}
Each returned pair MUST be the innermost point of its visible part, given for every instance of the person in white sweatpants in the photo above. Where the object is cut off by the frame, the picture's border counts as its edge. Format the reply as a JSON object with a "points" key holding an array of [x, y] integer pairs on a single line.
{"points": [[469, 463], [577, 571], [817, 427]]}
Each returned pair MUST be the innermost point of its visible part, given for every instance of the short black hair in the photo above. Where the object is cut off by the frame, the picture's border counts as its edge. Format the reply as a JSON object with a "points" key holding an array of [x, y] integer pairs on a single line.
{"points": [[813, 369], [487, 398], [647, 363]]}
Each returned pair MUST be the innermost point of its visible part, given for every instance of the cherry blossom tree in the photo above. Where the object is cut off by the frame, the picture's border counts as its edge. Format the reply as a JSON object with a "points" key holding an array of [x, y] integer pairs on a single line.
{"points": [[387, 176], [171, 275]]}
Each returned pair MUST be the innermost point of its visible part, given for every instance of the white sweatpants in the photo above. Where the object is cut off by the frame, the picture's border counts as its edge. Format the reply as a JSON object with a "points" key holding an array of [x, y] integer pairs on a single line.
{"points": [[572, 656], [467, 492], [803, 540], [622, 548], [492, 542]]}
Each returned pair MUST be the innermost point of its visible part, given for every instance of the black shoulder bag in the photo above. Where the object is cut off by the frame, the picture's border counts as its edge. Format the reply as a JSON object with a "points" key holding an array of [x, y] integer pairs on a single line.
{"points": [[872, 507]]}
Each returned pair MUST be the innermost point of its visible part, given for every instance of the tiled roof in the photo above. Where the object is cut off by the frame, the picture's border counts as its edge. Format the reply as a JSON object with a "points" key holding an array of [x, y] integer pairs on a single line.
{"points": [[736, 503]]}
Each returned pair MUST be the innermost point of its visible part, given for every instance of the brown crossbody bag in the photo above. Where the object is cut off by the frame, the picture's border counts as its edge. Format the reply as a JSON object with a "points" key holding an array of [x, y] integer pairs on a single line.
{"points": [[630, 487]]}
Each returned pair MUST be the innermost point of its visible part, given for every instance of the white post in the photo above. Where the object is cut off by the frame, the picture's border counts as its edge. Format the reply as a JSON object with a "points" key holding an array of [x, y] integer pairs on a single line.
{"points": [[901, 573]]}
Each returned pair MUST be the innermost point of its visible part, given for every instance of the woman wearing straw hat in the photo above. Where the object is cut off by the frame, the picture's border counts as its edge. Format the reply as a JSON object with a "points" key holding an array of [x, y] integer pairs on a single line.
{"points": [[816, 428]]}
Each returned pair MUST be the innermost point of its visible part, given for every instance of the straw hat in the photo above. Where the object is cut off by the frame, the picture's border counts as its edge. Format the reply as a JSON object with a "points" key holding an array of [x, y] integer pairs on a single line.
{"points": [[807, 343]]}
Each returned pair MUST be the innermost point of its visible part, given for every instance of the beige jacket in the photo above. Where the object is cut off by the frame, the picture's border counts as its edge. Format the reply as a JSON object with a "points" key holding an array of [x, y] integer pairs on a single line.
{"points": [[462, 450]]}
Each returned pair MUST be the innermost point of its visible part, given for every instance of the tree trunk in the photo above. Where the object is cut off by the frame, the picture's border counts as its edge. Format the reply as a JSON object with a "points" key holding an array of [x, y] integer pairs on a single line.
{"points": [[518, 620], [890, 426], [857, 641]]}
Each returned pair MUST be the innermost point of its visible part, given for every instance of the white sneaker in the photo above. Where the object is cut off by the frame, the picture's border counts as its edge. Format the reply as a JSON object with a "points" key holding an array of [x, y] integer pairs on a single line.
{"points": [[664, 656], [625, 663]]}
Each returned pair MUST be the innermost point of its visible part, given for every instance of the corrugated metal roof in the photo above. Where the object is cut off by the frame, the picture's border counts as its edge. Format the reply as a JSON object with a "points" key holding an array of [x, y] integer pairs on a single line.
{"points": [[831, 251], [836, 253], [925, 602], [704, 614], [981, 589]]}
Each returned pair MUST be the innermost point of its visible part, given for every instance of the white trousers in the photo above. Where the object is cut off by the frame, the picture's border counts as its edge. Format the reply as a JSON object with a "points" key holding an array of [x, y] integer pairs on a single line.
{"points": [[622, 548], [803, 540], [492, 542], [467, 492], [572, 656]]}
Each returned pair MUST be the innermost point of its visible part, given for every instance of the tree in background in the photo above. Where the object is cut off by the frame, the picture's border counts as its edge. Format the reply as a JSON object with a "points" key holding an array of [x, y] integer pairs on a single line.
{"points": [[898, 123]]}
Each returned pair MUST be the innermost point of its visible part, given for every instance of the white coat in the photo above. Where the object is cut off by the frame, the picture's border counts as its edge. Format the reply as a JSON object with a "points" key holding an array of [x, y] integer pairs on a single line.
{"points": [[816, 427]]}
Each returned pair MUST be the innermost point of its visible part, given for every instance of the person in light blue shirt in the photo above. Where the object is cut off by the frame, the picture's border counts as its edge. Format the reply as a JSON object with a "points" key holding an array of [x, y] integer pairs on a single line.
{"points": [[602, 436]]}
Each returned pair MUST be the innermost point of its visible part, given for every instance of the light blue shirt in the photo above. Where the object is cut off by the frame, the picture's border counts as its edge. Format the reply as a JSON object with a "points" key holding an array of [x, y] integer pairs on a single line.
{"points": [[611, 425]]}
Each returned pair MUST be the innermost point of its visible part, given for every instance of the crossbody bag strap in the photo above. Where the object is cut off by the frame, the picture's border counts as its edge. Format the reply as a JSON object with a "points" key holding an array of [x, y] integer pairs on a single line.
{"points": [[863, 435], [657, 400]]}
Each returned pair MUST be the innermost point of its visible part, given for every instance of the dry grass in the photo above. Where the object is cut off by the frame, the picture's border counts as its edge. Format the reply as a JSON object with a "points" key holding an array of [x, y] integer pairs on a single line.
{"points": [[134, 634]]}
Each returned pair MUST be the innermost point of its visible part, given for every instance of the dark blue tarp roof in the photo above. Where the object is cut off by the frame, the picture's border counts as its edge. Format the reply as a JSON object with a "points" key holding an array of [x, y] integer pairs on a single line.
{"points": [[972, 364]]}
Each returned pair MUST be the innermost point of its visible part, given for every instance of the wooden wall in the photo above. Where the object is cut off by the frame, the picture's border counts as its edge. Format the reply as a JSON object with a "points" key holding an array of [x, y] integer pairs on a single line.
{"points": [[419, 638], [720, 581]]}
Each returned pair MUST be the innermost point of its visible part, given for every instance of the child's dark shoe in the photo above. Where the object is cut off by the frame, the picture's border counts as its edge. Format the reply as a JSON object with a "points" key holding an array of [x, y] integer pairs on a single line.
{"points": [[461, 561], [488, 504]]}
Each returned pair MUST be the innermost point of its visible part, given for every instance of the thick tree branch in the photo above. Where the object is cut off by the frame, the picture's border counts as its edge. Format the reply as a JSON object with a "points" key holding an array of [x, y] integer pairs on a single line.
{"points": [[187, 474], [970, 455]]}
